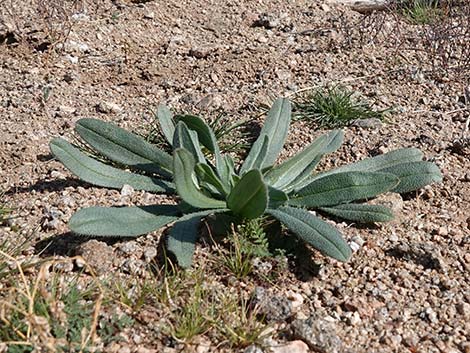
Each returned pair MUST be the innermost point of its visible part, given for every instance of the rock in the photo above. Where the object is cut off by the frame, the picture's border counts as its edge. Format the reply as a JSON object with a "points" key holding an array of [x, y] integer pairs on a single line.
{"points": [[273, 307], [127, 190], [268, 21], [296, 300], [202, 51], [261, 266], [253, 349], [97, 254], [150, 253], [393, 201], [424, 254], [291, 347], [131, 248], [464, 310], [108, 108], [369, 123], [318, 333]]}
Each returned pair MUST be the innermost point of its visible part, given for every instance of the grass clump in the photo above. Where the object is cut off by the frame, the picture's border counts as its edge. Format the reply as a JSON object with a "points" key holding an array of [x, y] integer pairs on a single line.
{"points": [[333, 107], [422, 12]]}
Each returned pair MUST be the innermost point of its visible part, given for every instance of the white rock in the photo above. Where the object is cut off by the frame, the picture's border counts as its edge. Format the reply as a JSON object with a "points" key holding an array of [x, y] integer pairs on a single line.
{"points": [[291, 347], [127, 190]]}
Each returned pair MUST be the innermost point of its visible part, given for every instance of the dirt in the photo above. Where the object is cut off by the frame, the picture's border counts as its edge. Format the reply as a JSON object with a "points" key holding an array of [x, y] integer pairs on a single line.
{"points": [[406, 288]]}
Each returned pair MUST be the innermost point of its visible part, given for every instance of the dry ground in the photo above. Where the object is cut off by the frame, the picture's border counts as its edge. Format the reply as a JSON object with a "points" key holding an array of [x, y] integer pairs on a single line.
{"points": [[406, 289]]}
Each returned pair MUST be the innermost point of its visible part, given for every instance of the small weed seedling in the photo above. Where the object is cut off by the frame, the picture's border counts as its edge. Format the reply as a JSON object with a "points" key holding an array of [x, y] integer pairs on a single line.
{"points": [[333, 107], [209, 183]]}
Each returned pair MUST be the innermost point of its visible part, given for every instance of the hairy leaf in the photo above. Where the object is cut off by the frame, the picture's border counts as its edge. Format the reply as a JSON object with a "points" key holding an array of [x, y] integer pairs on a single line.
{"points": [[97, 173], [379, 163], [414, 175], [249, 198], [344, 187], [206, 174], [276, 197], [122, 221], [288, 171], [187, 139], [165, 118], [184, 165], [360, 212], [183, 235], [123, 147], [204, 132], [319, 234], [332, 142], [276, 128], [257, 155]]}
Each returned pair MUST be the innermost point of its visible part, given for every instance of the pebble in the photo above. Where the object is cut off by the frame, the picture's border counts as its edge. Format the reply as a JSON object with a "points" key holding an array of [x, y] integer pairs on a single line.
{"points": [[150, 253], [97, 254], [464, 310], [318, 333], [273, 307], [253, 349], [369, 123], [108, 108], [127, 191], [291, 347]]}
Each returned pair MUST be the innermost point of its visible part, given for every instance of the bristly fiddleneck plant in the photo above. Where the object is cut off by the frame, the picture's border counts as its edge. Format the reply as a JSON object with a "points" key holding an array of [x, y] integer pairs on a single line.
{"points": [[210, 183]]}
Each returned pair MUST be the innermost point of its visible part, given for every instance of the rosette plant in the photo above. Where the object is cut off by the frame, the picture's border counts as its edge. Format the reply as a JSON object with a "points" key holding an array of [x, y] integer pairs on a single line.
{"points": [[207, 182]]}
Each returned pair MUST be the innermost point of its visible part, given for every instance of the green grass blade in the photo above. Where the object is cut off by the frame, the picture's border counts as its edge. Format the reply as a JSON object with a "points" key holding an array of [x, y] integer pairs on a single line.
{"points": [[249, 198], [322, 236], [98, 173], [184, 165], [122, 221], [360, 213], [183, 235], [344, 187], [124, 147], [414, 175], [165, 118]]}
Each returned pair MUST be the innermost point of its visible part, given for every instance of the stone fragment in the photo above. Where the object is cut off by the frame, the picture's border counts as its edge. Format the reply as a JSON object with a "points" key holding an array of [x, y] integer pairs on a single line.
{"points": [[97, 254], [108, 108], [369, 123], [273, 307], [291, 347], [318, 333]]}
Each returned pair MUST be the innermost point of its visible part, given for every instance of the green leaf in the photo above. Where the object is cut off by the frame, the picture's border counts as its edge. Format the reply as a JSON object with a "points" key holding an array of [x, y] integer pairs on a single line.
{"points": [[276, 197], [187, 139], [414, 175], [276, 128], [183, 235], [122, 221], [344, 187], [98, 173], [322, 236], [206, 174], [360, 213], [249, 198], [379, 163], [165, 118], [184, 165], [204, 132], [124, 147], [257, 155], [283, 174], [332, 143]]}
